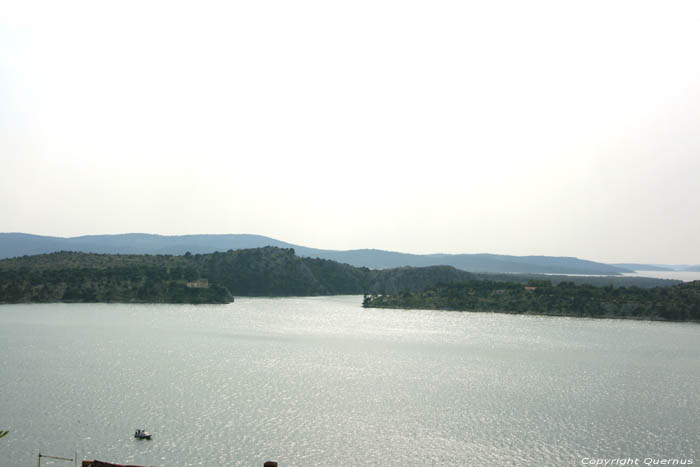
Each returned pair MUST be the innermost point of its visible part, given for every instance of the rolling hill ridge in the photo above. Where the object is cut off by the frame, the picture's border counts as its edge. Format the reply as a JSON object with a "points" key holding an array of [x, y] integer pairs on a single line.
{"points": [[20, 244], [267, 271]]}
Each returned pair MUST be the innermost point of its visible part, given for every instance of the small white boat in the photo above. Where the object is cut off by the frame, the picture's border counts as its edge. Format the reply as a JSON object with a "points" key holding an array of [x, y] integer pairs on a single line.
{"points": [[140, 434]]}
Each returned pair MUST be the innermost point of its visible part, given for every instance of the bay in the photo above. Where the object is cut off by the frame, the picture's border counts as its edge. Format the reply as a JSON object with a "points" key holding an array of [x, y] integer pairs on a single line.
{"points": [[322, 381], [685, 276]]}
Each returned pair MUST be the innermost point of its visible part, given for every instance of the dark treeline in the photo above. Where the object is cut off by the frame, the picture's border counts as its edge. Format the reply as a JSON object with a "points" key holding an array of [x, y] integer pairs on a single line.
{"points": [[676, 303], [597, 281], [134, 283], [269, 271]]}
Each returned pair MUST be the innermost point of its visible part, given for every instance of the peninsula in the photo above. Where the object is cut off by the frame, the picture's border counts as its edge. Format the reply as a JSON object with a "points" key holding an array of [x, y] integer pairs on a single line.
{"points": [[272, 271], [679, 302], [200, 278]]}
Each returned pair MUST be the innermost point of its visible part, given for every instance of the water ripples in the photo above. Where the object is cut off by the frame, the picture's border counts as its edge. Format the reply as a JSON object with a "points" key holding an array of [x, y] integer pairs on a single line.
{"points": [[321, 381]]}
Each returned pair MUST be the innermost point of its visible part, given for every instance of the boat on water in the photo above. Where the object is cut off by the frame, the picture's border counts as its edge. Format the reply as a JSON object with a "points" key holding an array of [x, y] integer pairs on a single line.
{"points": [[141, 434]]}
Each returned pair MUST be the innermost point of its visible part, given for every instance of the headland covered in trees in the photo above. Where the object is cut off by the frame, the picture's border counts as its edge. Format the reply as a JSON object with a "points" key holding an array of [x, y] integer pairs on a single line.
{"points": [[679, 302], [268, 271], [272, 271]]}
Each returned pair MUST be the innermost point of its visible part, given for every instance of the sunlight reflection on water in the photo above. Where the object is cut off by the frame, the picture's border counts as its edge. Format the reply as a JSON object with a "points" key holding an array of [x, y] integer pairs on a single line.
{"points": [[321, 381]]}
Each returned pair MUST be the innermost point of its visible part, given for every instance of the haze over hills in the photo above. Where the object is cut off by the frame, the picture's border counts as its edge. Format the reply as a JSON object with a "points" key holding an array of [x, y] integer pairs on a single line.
{"points": [[20, 244]]}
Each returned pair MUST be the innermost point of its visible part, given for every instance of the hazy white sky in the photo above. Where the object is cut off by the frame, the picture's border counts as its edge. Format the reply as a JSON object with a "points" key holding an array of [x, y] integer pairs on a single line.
{"points": [[539, 127]]}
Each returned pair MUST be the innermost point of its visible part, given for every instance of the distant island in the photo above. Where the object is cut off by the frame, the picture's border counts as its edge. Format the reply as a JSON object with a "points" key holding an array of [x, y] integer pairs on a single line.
{"points": [[680, 302]]}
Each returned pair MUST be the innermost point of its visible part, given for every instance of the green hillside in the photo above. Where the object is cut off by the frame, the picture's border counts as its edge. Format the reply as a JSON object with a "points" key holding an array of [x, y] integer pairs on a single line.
{"points": [[269, 271], [19, 244], [272, 271]]}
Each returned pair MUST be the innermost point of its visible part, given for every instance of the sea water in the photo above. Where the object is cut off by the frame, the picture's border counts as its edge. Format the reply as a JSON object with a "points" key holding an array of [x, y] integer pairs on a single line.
{"points": [[322, 381]]}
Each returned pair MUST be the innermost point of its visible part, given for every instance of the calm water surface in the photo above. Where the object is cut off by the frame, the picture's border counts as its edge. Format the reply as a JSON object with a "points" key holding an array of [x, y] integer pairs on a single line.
{"points": [[321, 381], [686, 276]]}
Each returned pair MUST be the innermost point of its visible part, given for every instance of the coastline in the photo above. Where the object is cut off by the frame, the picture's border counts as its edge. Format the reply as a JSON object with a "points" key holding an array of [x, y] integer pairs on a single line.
{"points": [[554, 315]]}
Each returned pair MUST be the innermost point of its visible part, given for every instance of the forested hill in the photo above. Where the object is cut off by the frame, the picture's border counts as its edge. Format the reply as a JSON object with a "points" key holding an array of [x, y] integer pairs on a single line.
{"points": [[268, 271], [676, 303], [19, 244]]}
